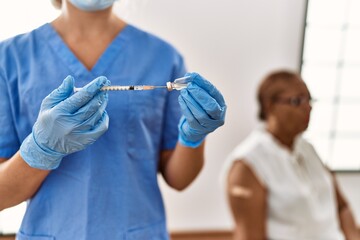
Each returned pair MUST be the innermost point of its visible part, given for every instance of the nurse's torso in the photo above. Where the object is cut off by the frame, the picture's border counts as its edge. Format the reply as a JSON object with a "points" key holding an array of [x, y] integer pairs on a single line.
{"points": [[109, 190]]}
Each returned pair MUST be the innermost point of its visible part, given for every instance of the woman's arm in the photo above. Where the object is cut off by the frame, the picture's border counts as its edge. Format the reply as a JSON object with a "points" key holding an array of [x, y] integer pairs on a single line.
{"points": [[247, 198], [346, 219], [203, 108], [18, 181], [58, 132], [181, 166]]}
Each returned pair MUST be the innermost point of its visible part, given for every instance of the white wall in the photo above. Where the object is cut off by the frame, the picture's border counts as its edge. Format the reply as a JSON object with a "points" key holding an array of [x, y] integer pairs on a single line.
{"points": [[233, 43]]}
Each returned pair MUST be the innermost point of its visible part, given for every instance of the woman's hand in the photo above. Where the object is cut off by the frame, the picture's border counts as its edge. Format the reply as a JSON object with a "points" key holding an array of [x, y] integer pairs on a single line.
{"points": [[67, 123]]}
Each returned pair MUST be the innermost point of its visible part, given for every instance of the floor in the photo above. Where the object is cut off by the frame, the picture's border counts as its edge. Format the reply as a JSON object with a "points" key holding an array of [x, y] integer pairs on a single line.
{"points": [[215, 235], [7, 238]]}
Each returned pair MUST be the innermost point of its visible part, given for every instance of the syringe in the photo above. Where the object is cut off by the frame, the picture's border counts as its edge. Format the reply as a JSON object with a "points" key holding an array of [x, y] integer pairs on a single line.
{"points": [[177, 84], [126, 88]]}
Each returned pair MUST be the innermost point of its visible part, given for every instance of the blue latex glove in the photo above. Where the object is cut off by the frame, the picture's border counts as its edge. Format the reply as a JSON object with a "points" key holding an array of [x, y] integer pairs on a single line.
{"points": [[67, 123], [203, 109]]}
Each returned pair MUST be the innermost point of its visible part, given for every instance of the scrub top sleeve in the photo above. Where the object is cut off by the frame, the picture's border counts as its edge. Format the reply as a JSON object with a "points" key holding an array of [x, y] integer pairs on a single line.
{"points": [[9, 143], [172, 110]]}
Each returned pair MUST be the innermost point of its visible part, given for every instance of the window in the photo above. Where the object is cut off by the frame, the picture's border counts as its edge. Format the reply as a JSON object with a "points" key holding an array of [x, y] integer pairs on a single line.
{"points": [[331, 69]]}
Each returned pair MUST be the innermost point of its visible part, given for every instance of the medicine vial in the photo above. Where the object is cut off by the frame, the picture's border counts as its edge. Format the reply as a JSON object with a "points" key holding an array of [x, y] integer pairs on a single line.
{"points": [[179, 83]]}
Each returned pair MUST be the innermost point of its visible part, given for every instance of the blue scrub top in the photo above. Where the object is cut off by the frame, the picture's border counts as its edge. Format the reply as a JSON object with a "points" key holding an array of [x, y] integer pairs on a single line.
{"points": [[110, 189]]}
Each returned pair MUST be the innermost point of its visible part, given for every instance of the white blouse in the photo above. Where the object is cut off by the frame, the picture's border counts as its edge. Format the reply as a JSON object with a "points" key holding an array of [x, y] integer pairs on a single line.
{"points": [[301, 200]]}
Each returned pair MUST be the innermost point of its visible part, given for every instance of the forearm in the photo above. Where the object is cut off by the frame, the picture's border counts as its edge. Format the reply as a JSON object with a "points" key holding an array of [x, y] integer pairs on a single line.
{"points": [[183, 166], [346, 219], [18, 181], [348, 225]]}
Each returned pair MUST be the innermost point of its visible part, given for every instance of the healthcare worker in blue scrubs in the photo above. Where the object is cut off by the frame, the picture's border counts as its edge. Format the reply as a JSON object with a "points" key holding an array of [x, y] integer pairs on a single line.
{"points": [[87, 162]]}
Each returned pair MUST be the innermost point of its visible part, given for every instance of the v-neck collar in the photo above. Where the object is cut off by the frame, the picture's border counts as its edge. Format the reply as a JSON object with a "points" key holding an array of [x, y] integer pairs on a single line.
{"points": [[77, 68], [279, 146]]}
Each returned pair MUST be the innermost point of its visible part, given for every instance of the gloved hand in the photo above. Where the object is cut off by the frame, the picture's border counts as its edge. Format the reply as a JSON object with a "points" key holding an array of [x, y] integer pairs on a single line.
{"points": [[203, 109], [66, 123]]}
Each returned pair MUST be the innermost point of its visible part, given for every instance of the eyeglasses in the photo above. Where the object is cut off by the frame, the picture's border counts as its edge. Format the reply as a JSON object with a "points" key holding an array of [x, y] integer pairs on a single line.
{"points": [[295, 101]]}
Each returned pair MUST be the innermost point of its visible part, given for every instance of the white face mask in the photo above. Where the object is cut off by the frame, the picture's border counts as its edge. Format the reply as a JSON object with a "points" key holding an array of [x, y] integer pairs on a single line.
{"points": [[92, 5]]}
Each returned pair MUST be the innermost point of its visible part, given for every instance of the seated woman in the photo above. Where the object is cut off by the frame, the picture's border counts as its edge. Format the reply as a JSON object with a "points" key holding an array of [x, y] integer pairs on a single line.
{"points": [[277, 186]]}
